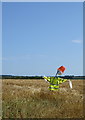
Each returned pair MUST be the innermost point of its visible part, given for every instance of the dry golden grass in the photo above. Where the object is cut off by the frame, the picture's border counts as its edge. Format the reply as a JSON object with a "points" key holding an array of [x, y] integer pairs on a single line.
{"points": [[24, 98]]}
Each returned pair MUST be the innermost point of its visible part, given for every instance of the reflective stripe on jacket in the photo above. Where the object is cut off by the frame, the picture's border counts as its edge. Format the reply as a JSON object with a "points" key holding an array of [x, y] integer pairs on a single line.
{"points": [[53, 87], [54, 82]]}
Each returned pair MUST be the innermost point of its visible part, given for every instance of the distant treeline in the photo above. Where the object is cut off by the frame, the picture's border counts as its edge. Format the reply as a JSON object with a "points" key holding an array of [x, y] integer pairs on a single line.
{"points": [[38, 77], [20, 77]]}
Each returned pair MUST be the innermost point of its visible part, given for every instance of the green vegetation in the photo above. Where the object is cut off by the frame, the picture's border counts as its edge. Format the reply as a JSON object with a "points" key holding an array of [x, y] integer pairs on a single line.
{"points": [[38, 77], [20, 77]]}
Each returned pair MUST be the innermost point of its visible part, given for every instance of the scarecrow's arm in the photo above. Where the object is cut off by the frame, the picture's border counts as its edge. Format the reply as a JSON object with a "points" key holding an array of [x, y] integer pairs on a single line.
{"points": [[46, 78], [62, 80]]}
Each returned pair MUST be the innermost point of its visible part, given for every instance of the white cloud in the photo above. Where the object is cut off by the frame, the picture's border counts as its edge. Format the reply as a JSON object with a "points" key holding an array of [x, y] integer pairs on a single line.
{"points": [[77, 41]]}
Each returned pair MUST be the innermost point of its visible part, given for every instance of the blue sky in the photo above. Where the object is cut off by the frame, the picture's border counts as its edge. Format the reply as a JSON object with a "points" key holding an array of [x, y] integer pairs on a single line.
{"points": [[40, 37]]}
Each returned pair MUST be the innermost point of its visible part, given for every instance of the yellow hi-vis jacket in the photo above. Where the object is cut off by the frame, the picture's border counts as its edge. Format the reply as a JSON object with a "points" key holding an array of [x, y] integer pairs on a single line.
{"points": [[54, 82]]}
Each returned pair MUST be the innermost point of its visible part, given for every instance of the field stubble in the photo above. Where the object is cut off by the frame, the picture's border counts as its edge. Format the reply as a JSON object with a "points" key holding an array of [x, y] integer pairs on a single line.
{"points": [[24, 98]]}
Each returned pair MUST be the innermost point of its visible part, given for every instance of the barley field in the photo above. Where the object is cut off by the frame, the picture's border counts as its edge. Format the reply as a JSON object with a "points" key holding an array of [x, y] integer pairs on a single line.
{"points": [[26, 98]]}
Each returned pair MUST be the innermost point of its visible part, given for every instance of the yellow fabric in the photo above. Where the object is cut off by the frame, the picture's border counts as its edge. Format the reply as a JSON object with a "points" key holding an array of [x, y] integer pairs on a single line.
{"points": [[54, 82]]}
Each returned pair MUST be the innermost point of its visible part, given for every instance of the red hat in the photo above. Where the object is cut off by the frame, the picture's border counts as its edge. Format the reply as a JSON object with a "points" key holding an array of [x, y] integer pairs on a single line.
{"points": [[61, 69]]}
